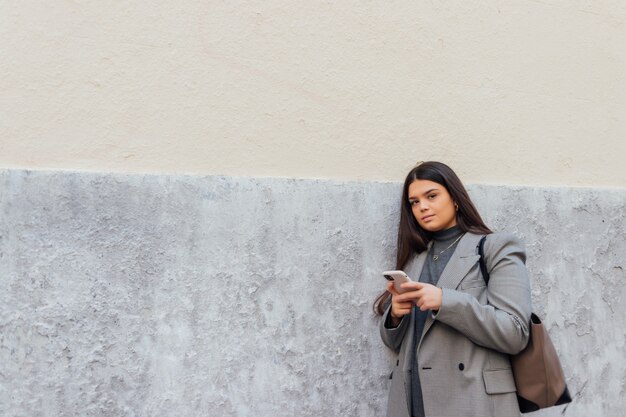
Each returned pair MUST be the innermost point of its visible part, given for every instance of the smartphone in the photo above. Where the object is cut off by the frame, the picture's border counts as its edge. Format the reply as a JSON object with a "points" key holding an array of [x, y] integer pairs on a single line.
{"points": [[397, 277]]}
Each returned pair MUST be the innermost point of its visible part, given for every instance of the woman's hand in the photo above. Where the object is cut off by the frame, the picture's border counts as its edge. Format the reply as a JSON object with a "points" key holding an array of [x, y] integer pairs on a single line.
{"points": [[425, 296], [399, 309]]}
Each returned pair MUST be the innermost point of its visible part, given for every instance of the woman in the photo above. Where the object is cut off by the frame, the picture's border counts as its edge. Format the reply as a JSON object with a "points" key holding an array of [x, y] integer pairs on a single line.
{"points": [[452, 333]]}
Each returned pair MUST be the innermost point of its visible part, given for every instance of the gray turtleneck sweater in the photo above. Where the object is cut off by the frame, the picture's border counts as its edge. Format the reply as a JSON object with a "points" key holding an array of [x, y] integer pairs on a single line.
{"points": [[430, 274]]}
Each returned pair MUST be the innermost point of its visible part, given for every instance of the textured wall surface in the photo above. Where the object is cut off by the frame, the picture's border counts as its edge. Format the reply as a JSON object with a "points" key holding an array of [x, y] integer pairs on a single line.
{"points": [[139, 295], [335, 89]]}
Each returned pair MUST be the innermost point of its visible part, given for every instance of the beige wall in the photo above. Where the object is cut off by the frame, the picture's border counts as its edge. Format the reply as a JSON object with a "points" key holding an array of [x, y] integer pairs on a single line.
{"points": [[513, 92]]}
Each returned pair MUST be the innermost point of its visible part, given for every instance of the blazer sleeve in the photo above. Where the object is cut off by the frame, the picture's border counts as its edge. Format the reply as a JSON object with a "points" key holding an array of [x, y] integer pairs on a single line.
{"points": [[503, 323], [392, 336]]}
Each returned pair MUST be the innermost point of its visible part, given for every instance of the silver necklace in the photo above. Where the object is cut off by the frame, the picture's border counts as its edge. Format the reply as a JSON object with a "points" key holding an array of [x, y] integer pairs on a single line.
{"points": [[436, 256]]}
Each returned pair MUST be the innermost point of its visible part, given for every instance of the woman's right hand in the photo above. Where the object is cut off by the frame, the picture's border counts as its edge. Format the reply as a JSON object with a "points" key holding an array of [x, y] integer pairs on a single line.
{"points": [[398, 309]]}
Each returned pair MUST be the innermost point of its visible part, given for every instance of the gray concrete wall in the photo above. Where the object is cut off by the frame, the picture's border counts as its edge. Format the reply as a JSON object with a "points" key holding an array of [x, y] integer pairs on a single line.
{"points": [[146, 295]]}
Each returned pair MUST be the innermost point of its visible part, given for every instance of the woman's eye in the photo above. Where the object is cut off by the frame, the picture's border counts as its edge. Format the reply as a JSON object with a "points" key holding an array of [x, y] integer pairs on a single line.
{"points": [[432, 196], [414, 202]]}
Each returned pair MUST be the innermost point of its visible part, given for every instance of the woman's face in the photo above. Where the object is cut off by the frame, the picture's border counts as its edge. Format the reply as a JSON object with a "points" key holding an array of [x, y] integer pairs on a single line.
{"points": [[432, 205]]}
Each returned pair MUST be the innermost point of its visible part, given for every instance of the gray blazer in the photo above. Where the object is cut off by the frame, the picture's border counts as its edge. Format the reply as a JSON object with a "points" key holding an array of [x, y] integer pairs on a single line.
{"points": [[463, 353]]}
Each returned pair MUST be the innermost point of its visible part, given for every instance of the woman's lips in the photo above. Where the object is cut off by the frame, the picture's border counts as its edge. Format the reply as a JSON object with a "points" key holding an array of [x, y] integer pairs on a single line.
{"points": [[427, 217]]}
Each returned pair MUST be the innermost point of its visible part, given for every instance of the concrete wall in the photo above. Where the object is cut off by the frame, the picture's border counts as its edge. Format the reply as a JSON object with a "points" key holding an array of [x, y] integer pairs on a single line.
{"points": [[534, 90], [142, 295]]}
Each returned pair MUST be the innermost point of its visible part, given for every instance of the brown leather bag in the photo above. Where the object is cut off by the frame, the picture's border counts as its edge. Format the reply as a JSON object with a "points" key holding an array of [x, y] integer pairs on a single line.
{"points": [[537, 370]]}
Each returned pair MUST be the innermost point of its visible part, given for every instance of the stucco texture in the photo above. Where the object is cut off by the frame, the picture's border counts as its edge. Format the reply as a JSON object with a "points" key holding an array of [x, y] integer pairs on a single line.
{"points": [[154, 295]]}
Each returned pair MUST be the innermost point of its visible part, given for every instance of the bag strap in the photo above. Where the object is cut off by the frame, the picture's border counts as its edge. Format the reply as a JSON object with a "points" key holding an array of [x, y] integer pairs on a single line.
{"points": [[481, 261]]}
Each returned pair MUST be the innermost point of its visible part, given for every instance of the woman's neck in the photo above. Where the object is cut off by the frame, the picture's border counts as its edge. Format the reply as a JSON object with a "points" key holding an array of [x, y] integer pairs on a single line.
{"points": [[447, 234]]}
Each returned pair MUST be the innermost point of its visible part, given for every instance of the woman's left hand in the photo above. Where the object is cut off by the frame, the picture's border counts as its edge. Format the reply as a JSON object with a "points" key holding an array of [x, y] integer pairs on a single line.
{"points": [[425, 296]]}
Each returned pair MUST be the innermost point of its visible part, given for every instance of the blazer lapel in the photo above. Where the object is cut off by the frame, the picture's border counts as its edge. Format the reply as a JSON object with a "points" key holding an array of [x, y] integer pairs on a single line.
{"points": [[462, 260], [414, 268], [464, 257]]}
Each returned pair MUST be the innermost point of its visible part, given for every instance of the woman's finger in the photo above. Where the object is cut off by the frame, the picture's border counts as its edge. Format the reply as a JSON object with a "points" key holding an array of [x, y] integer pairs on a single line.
{"points": [[407, 296], [392, 289], [412, 285], [403, 311]]}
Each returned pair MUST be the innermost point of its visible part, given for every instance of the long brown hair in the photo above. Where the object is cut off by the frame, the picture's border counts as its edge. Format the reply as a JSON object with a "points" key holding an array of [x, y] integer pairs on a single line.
{"points": [[411, 237]]}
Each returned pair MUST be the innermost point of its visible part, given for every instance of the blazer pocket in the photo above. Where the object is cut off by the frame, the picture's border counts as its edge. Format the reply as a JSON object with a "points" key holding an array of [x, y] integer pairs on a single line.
{"points": [[499, 381]]}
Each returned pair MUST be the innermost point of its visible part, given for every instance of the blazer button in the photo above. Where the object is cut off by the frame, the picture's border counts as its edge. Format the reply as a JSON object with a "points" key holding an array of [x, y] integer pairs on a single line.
{"points": [[461, 366]]}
